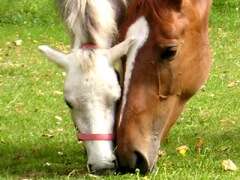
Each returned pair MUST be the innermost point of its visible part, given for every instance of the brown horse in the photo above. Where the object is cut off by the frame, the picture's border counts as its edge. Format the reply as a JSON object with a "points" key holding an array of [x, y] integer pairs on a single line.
{"points": [[169, 62]]}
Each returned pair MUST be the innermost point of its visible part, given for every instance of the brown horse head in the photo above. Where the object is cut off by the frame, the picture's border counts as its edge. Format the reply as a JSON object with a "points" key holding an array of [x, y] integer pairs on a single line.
{"points": [[168, 64]]}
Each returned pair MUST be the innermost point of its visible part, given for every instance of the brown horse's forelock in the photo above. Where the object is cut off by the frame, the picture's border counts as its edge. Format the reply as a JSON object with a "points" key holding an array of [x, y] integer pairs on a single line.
{"points": [[157, 12]]}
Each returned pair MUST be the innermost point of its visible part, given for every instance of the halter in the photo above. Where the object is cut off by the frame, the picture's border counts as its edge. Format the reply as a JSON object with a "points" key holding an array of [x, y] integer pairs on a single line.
{"points": [[94, 137], [89, 46]]}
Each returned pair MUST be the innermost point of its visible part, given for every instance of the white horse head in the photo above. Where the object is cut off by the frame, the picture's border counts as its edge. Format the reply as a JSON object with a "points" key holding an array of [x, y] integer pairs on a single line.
{"points": [[91, 90]]}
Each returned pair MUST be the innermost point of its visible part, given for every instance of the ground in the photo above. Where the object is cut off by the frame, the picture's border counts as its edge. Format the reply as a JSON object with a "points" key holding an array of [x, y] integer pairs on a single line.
{"points": [[37, 138]]}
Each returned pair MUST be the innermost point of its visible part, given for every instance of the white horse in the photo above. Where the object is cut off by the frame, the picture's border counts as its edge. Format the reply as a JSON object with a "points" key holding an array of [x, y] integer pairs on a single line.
{"points": [[91, 87]]}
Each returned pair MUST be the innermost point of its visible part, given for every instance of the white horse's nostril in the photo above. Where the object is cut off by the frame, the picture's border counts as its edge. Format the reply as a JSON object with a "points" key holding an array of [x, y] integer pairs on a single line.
{"points": [[89, 168], [115, 162]]}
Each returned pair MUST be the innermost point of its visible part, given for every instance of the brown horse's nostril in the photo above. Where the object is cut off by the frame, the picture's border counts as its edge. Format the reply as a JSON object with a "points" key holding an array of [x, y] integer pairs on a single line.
{"points": [[135, 160], [141, 163]]}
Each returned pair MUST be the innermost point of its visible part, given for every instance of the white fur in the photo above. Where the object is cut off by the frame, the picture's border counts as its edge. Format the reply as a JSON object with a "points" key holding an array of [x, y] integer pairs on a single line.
{"points": [[92, 89], [93, 92], [140, 32]]}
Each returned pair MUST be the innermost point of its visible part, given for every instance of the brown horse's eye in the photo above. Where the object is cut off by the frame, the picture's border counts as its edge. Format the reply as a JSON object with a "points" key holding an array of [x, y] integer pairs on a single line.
{"points": [[169, 53]]}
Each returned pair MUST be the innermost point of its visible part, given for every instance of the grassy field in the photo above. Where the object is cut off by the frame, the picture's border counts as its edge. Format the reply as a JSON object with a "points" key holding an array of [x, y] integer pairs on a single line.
{"points": [[37, 138]]}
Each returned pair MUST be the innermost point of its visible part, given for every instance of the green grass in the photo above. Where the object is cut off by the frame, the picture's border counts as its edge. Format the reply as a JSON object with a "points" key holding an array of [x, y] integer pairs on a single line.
{"points": [[29, 103]]}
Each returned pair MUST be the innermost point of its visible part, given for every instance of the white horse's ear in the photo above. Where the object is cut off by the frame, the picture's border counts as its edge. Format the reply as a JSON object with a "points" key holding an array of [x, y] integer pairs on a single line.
{"points": [[121, 49], [55, 56]]}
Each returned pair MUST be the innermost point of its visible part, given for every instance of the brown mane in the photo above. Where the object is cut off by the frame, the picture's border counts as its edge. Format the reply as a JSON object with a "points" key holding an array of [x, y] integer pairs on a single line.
{"points": [[148, 8]]}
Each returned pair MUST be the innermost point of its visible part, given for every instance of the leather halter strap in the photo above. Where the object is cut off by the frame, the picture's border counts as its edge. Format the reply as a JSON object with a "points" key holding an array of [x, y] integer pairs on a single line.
{"points": [[95, 137], [89, 46]]}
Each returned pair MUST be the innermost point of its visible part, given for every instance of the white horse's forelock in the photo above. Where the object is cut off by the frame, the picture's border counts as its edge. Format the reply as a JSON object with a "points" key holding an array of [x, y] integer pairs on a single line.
{"points": [[86, 63]]}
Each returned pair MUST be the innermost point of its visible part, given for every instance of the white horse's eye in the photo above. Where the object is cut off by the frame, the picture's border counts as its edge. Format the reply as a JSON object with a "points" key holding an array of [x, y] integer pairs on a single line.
{"points": [[68, 104]]}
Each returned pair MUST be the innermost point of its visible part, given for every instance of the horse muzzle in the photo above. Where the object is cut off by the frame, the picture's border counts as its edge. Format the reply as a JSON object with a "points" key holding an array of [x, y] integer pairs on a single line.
{"points": [[131, 159]]}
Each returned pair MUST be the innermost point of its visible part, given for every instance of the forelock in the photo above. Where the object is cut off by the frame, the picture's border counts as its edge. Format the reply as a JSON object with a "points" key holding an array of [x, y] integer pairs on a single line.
{"points": [[86, 59]]}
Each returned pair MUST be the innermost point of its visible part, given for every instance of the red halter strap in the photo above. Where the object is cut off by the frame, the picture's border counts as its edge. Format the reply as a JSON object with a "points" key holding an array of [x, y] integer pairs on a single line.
{"points": [[95, 137], [89, 46]]}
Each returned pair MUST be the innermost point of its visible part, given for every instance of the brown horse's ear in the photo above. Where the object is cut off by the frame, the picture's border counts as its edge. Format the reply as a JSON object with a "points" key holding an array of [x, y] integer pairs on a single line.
{"points": [[176, 4]]}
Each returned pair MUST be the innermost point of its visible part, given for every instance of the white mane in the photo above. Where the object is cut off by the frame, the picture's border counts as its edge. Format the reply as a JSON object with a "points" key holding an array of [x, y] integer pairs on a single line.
{"points": [[91, 20]]}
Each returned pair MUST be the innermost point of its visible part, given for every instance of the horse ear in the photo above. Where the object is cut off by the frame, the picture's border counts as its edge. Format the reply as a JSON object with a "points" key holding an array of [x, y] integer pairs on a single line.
{"points": [[120, 50], [55, 56]]}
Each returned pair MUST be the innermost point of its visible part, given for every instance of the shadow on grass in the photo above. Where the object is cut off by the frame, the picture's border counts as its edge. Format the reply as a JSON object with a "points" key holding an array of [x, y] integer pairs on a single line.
{"points": [[32, 160], [225, 143], [219, 144]]}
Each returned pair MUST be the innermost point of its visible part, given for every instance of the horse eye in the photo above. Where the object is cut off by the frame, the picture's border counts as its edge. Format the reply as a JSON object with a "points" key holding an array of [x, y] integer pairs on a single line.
{"points": [[68, 104], [169, 53]]}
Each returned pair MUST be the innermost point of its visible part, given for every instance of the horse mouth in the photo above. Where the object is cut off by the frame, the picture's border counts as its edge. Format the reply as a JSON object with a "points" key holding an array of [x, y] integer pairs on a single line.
{"points": [[107, 169], [137, 158]]}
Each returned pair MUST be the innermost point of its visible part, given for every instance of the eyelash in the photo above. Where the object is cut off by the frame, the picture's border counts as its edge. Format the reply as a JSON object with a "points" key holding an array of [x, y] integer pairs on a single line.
{"points": [[168, 53], [68, 104]]}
